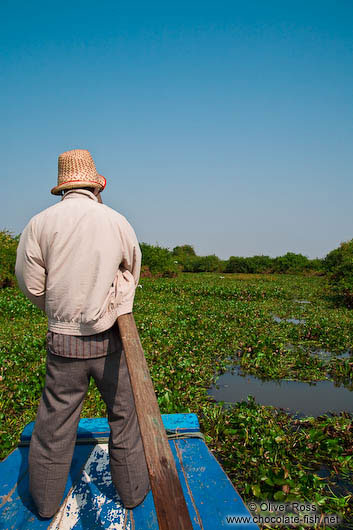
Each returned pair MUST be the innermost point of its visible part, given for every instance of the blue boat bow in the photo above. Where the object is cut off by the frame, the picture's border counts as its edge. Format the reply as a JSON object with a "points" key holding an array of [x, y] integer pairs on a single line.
{"points": [[91, 501]]}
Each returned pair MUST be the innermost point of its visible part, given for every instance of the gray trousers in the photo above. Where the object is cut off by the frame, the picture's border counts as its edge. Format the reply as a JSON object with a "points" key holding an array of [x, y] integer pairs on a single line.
{"points": [[54, 434]]}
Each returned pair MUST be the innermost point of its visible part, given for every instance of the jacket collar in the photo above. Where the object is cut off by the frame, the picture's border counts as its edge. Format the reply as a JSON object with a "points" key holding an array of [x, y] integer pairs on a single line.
{"points": [[77, 194]]}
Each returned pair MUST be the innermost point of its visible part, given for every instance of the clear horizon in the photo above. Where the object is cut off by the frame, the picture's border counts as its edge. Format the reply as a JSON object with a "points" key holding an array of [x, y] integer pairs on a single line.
{"points": [[226, 126]]}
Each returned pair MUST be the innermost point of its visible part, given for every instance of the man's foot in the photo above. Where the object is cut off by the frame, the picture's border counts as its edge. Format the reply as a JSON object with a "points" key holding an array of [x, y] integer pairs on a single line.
{"points": [[128, 507]]}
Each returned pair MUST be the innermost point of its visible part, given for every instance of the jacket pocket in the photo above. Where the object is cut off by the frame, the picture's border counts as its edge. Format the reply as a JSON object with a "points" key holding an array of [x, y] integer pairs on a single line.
{"points": [[123, 288]]}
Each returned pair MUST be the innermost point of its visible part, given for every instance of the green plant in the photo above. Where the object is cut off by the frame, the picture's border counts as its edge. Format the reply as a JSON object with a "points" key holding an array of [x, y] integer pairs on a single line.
{"points": [[184, 250], [290, 262], [192, 327], [339, 265], [237, 264], [8, 246], [159, 260]]}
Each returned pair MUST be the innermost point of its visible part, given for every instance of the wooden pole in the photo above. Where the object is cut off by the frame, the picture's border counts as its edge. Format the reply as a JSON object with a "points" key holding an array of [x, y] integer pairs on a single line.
{"points": [[172, 512]]}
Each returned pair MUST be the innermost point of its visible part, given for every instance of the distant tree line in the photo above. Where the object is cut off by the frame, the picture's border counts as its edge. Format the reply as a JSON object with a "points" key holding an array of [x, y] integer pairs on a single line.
{"points": [[183, 258], [337, 266]]}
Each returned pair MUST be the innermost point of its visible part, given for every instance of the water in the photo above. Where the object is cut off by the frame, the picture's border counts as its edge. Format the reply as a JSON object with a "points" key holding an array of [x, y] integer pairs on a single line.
{"points": [[340, 485], [325, 355], [302, 399], [291, 320]]}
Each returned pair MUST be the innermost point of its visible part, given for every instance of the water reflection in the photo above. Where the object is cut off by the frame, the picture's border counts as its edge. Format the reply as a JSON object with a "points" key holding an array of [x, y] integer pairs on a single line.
{"points": [[340, 485], [325, 355], [291, 320], [302, 399]]}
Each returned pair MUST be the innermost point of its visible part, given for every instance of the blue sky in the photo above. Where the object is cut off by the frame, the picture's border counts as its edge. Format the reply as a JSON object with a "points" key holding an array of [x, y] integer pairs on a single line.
{"points": [[225, 125]]}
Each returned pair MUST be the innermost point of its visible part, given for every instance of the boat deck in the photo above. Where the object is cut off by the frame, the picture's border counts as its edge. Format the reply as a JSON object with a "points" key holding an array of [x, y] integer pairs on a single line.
{"points": [[91, 501]]}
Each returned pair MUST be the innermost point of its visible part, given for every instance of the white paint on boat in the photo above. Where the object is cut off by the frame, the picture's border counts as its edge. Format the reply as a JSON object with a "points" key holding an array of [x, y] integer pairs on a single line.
{"points": [[88, 496]]}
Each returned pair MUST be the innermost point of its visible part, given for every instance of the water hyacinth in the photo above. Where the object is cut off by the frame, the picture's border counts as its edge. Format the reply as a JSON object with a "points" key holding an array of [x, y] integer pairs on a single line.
{"points": [[192, 328]]}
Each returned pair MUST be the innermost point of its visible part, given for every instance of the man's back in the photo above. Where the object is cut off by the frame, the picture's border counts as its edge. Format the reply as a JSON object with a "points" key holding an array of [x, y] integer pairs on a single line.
{"points": [[86, 258]]}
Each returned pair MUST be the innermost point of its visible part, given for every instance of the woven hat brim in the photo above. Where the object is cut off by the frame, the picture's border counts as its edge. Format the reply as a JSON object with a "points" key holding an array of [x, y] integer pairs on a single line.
{"points": [[70, 184]]}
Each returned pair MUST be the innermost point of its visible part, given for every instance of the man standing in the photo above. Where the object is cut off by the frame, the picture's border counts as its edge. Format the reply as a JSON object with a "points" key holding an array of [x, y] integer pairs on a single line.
{"points": [[79, 261]]}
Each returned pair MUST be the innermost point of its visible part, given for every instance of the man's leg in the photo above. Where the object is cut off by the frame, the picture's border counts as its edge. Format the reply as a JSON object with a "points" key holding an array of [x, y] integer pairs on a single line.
{"points": [[54, 435], [127, 459]]}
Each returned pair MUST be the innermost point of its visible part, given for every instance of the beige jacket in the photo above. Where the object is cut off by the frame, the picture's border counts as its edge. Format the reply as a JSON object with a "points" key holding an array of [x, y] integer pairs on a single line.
{"points": [[79, 261]]}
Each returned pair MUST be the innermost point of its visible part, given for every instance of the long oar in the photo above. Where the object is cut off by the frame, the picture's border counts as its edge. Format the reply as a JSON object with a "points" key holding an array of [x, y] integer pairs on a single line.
{"points": [[169, 501], [172, 512]]}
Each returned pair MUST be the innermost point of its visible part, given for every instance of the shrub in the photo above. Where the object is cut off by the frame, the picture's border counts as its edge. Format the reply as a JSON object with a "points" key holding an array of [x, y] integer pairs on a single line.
{"points": [[189, 263], [8, 246], [184, 255], [222, 265], [207, 264], [334, 258], [258, 264], [237, 264], [159, 260], [184, 250], [316, 265], [253, 264], [339, 266], [290, 262]]}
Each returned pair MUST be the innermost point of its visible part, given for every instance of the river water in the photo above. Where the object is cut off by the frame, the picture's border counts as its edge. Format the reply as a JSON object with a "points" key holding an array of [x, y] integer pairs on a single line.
{"points": [[301, 399], [296, 397]]}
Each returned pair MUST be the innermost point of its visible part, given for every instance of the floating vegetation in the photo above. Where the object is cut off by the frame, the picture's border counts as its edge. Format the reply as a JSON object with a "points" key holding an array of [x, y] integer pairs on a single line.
{"points": [[192, 327]]}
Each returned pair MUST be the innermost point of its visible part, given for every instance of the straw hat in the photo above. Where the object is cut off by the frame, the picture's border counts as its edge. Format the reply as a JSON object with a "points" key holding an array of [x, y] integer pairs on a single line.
{"points": [[76, 169]]}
